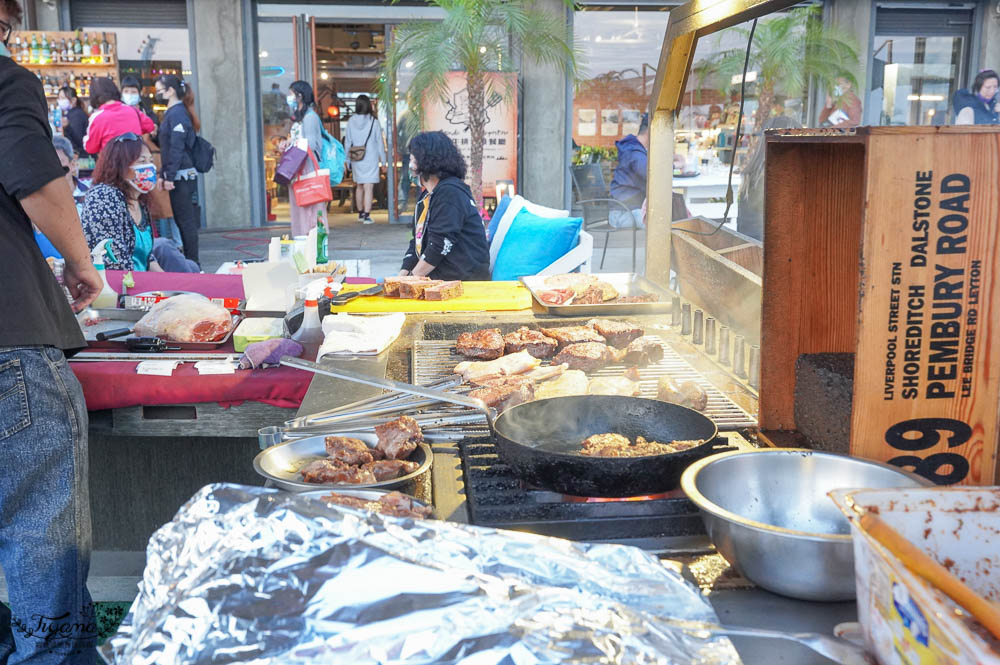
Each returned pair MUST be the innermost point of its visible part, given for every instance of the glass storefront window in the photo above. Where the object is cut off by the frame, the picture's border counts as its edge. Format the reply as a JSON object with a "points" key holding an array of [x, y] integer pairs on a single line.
{"points": [[276, 41], [917, 79]]}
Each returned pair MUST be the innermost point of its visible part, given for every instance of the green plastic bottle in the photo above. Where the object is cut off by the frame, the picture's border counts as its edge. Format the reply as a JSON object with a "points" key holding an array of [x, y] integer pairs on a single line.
{"points": [[321, 240]]}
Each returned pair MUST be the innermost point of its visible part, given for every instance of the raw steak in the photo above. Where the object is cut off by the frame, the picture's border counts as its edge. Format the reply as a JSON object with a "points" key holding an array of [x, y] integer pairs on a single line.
{"points": [[185, 318]]}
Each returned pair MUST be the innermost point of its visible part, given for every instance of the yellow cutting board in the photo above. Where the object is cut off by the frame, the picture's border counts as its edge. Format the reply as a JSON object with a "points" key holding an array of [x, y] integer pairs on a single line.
{"points": [[478, 297]]}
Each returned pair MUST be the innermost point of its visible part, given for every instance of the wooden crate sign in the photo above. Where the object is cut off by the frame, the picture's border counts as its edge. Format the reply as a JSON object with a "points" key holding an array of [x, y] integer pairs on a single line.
{"points": [[926, 386]]}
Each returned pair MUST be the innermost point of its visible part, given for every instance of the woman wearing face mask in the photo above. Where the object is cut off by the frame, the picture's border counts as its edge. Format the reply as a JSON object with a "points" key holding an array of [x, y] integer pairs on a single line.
{"points": [[132, 96], [111, 118], [979, 106], [75, 124], [307, 126], [178, 131], [115, 208]]}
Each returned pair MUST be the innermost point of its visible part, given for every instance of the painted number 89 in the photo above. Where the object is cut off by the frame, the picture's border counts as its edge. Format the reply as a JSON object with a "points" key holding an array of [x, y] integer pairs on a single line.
{"points": [[923, 433]]}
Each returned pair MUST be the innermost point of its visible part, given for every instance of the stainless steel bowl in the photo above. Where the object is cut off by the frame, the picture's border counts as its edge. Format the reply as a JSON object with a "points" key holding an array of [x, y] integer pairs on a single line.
{"points": [[768, 513]]}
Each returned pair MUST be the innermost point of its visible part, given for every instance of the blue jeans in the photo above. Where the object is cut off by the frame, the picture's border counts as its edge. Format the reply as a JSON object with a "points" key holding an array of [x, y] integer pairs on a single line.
{"points": [[620, 219], [44, 511]]}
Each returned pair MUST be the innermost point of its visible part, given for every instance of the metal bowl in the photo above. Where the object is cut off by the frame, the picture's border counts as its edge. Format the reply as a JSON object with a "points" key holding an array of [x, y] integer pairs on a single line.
{"points": [[281, 464], [768, 513]]}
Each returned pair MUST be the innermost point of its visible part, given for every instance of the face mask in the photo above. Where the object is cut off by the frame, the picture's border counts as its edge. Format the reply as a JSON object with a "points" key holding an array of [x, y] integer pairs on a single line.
{"points": [[144, 178], [159, 97], [3, 49], [293, 103], [985, 100], [63, 104], [130, 98], [837, 90]]}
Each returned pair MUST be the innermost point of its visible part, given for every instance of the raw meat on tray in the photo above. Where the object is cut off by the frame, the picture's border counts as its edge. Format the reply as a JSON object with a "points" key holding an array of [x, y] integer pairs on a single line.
{"points": [[186, 318]]}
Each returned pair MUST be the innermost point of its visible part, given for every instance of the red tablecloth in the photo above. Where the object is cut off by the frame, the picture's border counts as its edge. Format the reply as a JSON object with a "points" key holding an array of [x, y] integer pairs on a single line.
{"points": [[112, 385]]}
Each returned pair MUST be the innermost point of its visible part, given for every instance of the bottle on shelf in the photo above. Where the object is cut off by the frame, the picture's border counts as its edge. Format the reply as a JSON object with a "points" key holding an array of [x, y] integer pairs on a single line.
{"points": [[15, 51], [46, 51], [77, 48], [105, 49], [95, 50], [35, 51]]}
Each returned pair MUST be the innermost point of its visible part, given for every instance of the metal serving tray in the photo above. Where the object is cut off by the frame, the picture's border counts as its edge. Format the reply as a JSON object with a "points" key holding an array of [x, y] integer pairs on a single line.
{"points": [[127, 318], [281, 464], [626, 283]]}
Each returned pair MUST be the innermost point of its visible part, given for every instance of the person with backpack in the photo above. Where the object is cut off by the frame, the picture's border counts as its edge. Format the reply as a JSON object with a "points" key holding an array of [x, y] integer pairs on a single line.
{"points": [[367, 153], [179, 145], [307, 126]]}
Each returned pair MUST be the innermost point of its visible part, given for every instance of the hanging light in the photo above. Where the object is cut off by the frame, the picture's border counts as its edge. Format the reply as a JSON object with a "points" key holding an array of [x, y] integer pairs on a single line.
{"points": [[333, 111], [324, 76]]}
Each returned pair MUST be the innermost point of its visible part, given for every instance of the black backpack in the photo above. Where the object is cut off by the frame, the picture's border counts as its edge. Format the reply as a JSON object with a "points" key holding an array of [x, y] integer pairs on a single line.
{"points": [[203, 155]]}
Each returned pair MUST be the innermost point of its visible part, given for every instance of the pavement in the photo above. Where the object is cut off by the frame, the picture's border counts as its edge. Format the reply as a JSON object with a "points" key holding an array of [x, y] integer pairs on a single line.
{"points": [[384, 245]]}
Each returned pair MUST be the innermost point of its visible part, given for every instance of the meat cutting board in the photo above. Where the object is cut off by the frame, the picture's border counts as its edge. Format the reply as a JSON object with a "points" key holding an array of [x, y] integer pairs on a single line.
{"points": [[478, 297]]}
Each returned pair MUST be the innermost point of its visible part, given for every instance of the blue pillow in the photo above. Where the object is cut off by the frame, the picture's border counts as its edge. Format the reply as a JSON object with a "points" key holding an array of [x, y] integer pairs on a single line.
{"points": [[533, 243], [497, 214]]}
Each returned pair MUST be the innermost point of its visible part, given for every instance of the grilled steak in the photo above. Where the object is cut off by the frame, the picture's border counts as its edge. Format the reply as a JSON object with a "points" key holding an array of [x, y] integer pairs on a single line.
{"points": [[506, 393], [485, 344], [352, 452], [532, 341], [572, 335], [444, 291], [390, 469], [390, 286], [415, 290], [586, 356], [399, 438], [617, 333], [330, 471], [393, 503], [643, 351]]}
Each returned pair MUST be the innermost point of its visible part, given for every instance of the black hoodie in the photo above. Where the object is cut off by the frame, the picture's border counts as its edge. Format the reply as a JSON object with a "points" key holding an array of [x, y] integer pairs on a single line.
{"points": [[454, 239]]}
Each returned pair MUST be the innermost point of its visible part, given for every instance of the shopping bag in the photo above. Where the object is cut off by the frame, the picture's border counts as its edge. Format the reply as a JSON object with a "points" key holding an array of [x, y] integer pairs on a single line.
{"points": [[313, 187], [290, 165]]}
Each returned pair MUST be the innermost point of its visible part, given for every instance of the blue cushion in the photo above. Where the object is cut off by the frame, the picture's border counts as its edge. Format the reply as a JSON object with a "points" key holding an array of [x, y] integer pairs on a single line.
{"points": [[533, 243], [491, 230]]}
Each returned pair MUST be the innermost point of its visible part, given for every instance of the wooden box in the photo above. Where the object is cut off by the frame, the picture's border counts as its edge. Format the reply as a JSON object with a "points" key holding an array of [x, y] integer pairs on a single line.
{"points": [[885, 242]]}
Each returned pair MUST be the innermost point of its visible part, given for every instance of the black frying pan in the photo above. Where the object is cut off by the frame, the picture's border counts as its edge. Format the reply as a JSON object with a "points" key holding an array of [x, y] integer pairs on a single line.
{"points": [[540, 439]]}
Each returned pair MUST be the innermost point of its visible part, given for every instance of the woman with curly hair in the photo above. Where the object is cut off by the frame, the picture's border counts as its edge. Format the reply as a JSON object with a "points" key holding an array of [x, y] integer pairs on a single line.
{"points": [[449, 241]]}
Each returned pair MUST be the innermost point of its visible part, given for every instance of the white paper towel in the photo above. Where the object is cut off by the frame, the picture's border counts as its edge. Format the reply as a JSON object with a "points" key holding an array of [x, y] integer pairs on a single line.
{"points": [[360, 335]]}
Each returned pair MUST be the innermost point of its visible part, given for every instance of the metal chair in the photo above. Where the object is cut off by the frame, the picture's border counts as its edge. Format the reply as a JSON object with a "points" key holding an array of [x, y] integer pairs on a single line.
{"points": [[594, 197]]}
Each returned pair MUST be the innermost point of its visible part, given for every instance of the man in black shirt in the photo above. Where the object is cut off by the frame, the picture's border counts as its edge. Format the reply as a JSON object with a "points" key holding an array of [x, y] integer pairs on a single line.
{"points": [[44, 502]]}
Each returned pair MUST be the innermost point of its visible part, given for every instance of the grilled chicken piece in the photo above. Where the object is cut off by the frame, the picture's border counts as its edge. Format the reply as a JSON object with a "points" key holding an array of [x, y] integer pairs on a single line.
{"points": [[613, 385], [327, 471], [486, 344], [688, 393], [572, 382], [506, 392], [532, 341], [643, 351], [515, 363], [586, 356], [390, 469], [398, 439], [572, 335], [545, 373], [617, 333], [352, 452]]}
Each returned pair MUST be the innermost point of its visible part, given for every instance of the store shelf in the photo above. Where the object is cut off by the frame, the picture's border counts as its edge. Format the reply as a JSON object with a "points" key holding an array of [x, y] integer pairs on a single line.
{"points": [[70, 65]]}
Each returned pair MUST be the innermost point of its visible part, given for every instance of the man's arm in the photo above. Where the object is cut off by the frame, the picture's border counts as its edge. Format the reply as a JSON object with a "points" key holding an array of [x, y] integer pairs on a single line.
{"points": [[53, 211]]}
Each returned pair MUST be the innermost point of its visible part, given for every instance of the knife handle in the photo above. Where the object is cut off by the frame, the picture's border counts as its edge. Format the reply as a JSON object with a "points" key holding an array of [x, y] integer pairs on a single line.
{"points": [[112, 334]]}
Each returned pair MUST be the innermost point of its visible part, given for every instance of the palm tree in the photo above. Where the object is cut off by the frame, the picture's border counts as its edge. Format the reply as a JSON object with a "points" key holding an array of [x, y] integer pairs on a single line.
{"points": [[787, 51], [475, 37]]}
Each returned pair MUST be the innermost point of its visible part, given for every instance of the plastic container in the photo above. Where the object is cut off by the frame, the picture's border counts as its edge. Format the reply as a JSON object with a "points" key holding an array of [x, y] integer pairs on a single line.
{"points": [[257, 330], [904, 619], [107, 298], [310, 332]]}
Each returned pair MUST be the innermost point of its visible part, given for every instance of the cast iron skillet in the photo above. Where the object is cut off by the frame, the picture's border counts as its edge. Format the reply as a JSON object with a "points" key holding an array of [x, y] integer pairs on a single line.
{"points": [[539, 439]]}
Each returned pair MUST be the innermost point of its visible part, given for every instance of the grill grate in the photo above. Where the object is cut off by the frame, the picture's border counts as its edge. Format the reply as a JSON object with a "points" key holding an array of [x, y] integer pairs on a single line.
{"points": [[435, 359]]}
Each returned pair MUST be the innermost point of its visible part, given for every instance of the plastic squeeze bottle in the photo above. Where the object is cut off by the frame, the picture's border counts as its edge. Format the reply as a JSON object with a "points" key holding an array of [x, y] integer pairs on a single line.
{"points": [[321, 240], [107, 298], [310, 333]]}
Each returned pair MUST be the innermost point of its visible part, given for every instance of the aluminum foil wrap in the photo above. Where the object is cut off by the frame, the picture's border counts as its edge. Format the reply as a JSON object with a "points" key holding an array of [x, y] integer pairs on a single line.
{"points": [[253, 575]]}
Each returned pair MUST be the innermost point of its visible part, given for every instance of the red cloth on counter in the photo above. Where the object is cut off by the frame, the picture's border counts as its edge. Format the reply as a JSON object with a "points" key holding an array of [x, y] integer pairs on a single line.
{"points": [[115, 385], [208, 285]]}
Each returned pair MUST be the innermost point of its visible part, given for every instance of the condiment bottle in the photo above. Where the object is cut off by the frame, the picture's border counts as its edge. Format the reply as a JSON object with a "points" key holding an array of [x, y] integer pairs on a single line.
{"points": [[107, 298], [310, 332]]}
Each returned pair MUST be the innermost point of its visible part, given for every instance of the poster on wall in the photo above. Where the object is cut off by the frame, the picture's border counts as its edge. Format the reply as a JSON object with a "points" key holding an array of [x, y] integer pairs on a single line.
{"points": [[451, 117]]}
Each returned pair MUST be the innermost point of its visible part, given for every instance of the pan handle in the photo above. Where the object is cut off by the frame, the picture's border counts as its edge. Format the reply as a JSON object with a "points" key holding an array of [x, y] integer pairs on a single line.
{"points": [[389, 384]]}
